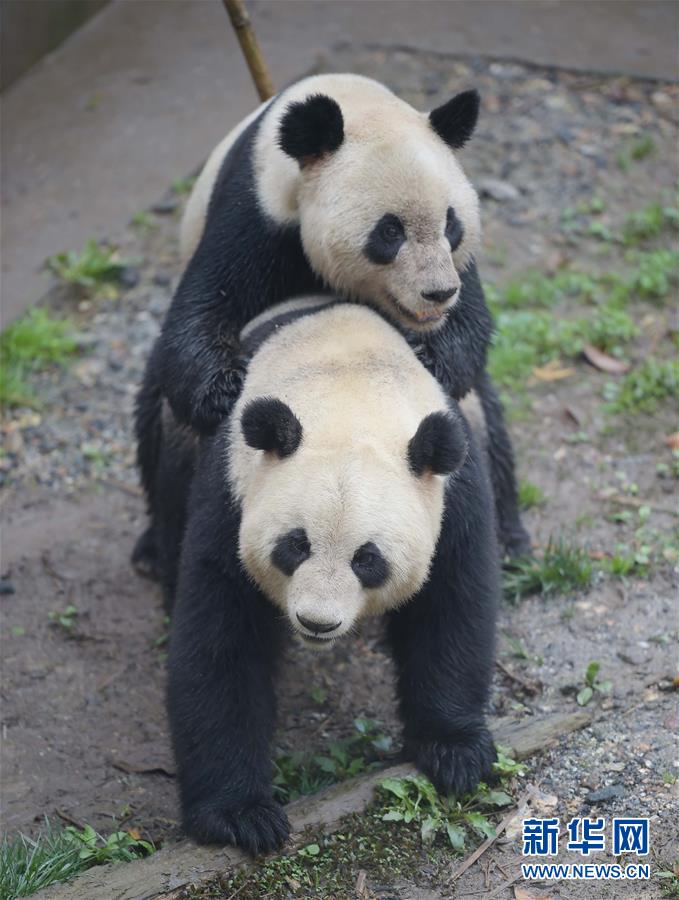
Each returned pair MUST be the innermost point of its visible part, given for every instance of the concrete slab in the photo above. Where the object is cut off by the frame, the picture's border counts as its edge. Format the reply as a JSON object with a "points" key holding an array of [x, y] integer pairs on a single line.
{"points": [[141, 93]]}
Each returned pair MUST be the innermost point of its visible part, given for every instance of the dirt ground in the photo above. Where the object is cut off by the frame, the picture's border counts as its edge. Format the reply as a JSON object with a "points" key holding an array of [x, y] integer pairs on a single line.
{"points": [[83, 725]]}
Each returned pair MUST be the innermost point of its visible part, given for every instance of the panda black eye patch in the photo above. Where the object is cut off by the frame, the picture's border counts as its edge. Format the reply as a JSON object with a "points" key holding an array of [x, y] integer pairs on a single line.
{"points": [[385, 240], [454, 229], [291, 550], [369, 566]]}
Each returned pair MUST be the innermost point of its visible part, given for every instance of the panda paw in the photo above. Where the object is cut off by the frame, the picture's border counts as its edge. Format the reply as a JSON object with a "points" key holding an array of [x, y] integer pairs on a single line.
{"points": [[517, 544], [217, 397], [456, 766], [259, 828]]}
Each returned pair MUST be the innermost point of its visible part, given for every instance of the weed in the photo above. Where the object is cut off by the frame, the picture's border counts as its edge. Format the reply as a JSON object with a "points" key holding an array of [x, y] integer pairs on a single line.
{"points": [[301, 773], [670, 879], [30, 344], [65, 620], [415, 799], [593, 685], [144, 221], [530, 495], [654, 274], [29, 864], [642, 147], [92, 267], [644, 388], [121, 846], [184, 185], [563, 568], [649, 222]]}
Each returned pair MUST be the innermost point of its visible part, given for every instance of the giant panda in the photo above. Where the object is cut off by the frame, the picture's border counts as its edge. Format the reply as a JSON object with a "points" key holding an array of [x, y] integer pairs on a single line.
{"points": [[334, 185], [344, 484]]}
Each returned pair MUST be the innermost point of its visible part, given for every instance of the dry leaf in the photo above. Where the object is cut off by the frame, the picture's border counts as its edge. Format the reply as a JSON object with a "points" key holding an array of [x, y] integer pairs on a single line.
{"points": [[672, 440], [560, 454], [522, 893], [134, 833], [570, 415], [603, 362], [553, 371]]}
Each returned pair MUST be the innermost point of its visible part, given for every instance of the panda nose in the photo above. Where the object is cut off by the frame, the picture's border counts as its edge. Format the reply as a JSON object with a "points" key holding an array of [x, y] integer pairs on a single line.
{"points": [[317, 627], [439, 296]]}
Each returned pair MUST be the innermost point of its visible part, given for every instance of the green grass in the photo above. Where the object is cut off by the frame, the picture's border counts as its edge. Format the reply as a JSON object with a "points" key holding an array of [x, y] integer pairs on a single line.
{"points": [[301, 773], [649, 222], [525, 340], [94, 266], [645, 388], [36, 340], [563, 568], [530, 495], [655, 272], [29, 864]]}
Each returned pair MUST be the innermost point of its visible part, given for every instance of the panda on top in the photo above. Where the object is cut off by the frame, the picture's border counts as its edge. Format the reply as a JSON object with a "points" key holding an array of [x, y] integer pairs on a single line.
{"points": [[338, 186], [344, 484]]}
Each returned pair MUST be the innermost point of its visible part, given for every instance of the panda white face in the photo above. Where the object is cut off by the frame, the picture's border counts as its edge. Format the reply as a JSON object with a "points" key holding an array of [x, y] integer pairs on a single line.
{"points": [[332, 536], [387, 215]]}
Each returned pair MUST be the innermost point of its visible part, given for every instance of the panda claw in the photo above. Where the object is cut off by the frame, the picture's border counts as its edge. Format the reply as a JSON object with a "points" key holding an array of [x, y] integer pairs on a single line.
{"points": [[257, 829], [456, 766]]}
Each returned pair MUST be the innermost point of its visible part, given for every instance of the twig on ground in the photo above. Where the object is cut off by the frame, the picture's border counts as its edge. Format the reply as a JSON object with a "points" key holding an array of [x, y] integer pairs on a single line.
{"points": [[481, 849]]}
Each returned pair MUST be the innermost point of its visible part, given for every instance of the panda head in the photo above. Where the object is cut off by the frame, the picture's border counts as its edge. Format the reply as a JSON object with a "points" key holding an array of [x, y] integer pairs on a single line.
{"points": [[387, 215], [331, 537]]}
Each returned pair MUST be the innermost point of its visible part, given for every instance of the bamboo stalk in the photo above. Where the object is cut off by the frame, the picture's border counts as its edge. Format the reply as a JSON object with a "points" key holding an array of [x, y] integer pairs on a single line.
{"points": [[240, 20]]}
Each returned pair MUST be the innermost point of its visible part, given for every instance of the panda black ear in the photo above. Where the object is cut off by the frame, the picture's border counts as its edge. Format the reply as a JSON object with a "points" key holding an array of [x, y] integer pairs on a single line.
{"points": [[311, 128], [270, 425], [439, 445], [455, 121]]}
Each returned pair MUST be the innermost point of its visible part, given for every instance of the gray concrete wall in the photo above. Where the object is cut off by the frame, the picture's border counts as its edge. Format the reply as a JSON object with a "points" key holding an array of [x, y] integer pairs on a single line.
{"points": [[31, 28]]}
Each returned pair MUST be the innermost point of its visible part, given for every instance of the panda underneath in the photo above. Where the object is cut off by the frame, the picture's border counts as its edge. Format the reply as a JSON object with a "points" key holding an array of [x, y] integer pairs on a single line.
{"points": [[336, 185], [344, 484]]}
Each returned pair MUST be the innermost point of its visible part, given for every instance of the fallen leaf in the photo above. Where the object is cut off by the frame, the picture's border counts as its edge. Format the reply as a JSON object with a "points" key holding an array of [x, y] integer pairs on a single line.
{"points": [[560, 454], [672, 440], [570, 415], [521, 893], [553, 371], [604, 362], [134, 833], [360, 883]]}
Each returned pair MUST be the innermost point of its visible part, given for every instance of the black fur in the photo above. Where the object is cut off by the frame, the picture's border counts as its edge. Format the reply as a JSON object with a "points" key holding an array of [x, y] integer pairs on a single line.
{"points": [[226, 640], [369, 566], [385, 240], [245, 263], [291, 550], [438, 446], [455, 121], [269, 424], [311, 128], [454, 229]]}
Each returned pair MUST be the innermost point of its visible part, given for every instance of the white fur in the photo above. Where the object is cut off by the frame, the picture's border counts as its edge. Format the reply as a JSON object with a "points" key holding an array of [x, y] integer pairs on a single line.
{"points": [[391, 161], [360, 394]]}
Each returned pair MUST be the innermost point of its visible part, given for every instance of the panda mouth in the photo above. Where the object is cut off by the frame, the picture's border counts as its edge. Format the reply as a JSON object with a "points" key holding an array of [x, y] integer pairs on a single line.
{"points": [[426, 317], [315, 640]]}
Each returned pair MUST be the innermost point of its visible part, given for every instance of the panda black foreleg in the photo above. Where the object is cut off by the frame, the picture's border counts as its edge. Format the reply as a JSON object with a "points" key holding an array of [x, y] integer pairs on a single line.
{"points": [[223, 649], [514, 538], [443, 643]]}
